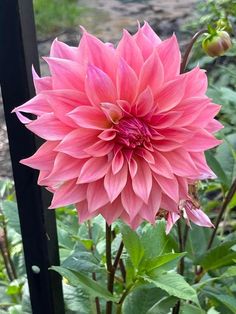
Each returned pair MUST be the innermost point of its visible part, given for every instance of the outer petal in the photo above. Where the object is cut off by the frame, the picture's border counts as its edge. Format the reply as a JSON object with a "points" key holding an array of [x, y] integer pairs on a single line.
{"points": [[168, 186], [114, 183], [93, 169], [142, 181], [63, 51], [69, 193], [129, 51], [99, 87], [170, 56], [96, 195]]}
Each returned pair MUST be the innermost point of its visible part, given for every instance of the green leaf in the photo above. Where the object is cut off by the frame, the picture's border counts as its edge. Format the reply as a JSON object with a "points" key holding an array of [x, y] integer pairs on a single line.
{"points": [[141, 299], [190, 309], [82, 261], [92, 287], [228, 301], [132, 244], [174, 285], [163, 306], [216, 167], [155, 240], [220, 256], [162, 261], [10, 211], [225, 154]]}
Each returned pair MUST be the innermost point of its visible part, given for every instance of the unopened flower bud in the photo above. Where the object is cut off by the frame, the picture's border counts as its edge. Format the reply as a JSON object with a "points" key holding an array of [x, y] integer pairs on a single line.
{"points": [[217, 44]]}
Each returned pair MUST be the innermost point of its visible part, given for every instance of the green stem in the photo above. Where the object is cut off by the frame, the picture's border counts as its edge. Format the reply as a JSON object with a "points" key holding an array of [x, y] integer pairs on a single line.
{"points": [[124, 295]]}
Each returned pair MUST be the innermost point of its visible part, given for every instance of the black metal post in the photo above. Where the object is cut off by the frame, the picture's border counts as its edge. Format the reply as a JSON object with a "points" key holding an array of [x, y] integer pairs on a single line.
{"points": [[18, 51]]}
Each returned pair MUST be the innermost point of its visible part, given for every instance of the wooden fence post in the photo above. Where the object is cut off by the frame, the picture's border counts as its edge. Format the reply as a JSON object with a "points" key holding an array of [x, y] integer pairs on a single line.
{"points": [[18, 51]]}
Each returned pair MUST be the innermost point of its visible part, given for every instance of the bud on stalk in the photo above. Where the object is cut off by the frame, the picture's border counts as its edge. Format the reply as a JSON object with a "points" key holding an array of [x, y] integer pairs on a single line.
{"points": [[217, 43]]}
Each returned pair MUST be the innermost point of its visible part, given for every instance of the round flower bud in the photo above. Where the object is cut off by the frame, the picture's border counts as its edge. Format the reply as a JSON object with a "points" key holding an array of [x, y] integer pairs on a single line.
{"points": [[217, 44]]}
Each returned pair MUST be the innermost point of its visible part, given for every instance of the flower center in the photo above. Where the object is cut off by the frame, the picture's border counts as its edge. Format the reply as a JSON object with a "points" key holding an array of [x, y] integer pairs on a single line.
{"points": [[132, 132]]}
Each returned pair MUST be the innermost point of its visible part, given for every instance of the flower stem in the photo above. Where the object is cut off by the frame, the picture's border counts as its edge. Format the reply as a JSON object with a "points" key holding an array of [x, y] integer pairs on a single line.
{"points": [[226, 202], [97, 303], [189, 49]]}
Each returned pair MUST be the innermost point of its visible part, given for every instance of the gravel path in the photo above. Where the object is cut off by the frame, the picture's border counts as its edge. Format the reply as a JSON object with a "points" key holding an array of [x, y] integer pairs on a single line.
{"points": [[106, 19]]}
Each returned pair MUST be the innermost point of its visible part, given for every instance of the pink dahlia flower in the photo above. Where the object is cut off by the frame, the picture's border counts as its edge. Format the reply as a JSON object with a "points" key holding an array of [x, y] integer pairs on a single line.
{"points": [[125, 132]]}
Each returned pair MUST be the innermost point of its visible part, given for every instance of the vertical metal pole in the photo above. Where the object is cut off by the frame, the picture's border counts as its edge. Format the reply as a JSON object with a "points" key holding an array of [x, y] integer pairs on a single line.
{"points": [[18, 51]]}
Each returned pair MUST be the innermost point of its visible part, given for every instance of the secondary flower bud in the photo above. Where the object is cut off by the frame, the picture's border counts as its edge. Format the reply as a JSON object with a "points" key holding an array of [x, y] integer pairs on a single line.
{"points": [[217, 44]]}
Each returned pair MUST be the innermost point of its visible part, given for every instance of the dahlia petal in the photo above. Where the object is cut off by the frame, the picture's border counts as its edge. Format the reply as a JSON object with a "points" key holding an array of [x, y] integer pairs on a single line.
{"points": [[100, 148], [41, 84], [144, 43], [162, 166], [178, 135], [114, 183], [43, 159], [171, 94], [66, 73], [171, 220], [166, 145], [73, 98], [146, 155], [183, 187], [149, 212], [150, 34], [201, 140], [117, 162], [64, 168], [111, 212], [83, 139], [37, 106], [214, 126], [142, 181], [130, 201], [96, 195], [181, 163], [83, 213], [200, 162], [112, 112], [129, 51], [144, 103], [54, 131], [168, 186], [93, 169], [63, 51], [169, 53], [69, 193], [162, 121], [89, 118], [107, 135], [133, 167], [99, 87], [169, 204], [98, 53], [196, 83], [152, 74], [198, 216], [126, 82], [205, 116]]}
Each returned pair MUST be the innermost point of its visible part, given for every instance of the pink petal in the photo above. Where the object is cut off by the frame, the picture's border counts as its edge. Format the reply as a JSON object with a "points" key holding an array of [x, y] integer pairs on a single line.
{"points": [[83, 139], [93, 169], [171, 94], [37, 106], [107, 135], [69, 193], [114, 183], [151, 74], [112, 112], [144, 103], [99, 87], [214, 126], [129, 51], [49, 127], [43, 159], [168, 186], [126, 82], [171, 220], [83, 213], [66, 74], [196, 83], [170, 57], [202, 140], [96, 195], [100, 148], [144, 43], [41, 84], [181, 163], [200, 162], [111, 212], [90, 118], [150, 34], [162, 121], [142, 181], [117, 162], [162, 166], [63, 51], [130, 201]]}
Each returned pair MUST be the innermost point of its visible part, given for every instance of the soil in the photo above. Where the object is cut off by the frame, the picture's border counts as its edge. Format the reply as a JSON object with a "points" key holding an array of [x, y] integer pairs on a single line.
{"points": [[106, 19]]}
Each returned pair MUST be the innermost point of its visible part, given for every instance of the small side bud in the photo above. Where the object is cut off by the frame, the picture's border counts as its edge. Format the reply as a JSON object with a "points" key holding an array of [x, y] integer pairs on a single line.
{"points": [[217, 43]]}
